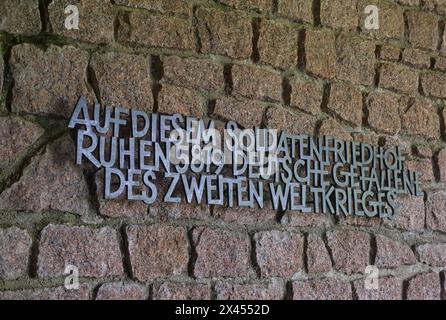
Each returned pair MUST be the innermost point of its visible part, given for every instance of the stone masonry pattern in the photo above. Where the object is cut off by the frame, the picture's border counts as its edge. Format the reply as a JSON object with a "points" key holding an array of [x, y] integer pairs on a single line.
{"points": [[306, 66]]}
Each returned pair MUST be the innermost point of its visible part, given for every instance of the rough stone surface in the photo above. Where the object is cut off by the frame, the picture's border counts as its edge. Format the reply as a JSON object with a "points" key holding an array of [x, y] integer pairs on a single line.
{"points": [[440, 64], [433, 254], [180, 7], [442, 164], [322, 289], [355, 60], [392, 254], [157, 251], [20, 16], [273, 290], [318, 259], [383, 112], [263, 6], [425, 286], [181, 100], [245, 216], [423, 167], [331, 127], [282, 119], [339, 13], [346, 102], [278, 44], [409, 214], [279, 254], [96, 19], [390, 53], [434, 84], [416, 58], [199, 74], [15, 245], [42, 187], [256, 83], [435, 209], [57, 293], [50, 81], [221, 253], [437, 6], [165, 32], [122, 291], [320, 53], [182, 291], [423, 29], [245, 112], [124, 80], [224, 33], [301, 10], [95, 252], [18, 135], [421, 119], [306, 95], [295, 219], [390, 288], [398, 78], [350, 250]]}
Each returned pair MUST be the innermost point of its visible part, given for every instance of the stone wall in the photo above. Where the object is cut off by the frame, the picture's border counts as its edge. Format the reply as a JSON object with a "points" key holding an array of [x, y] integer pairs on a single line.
{"points": [[305, 66]]}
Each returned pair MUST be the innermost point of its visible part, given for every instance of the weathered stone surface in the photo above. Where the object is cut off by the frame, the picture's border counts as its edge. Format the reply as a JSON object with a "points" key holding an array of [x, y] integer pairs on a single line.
{"points": [[279, 254], [320, 53], [440, 64], [350, 250], [124, 80], [297, 219], [182, 291], [322, 289], [95, 252], [180, 7], [409, 214], [122, 291], [438, 6], [245, 112], [355, 60], [318, 259], [256, 83], [421, 119], [442, 164], [96, 20], [157, 251], [398, 78], [390, 53], [423, 166], [416, 58], [392, 254], [391, 19], [383, 112], [52, 181], [199, 74], [432, 254], [17, 134], [423, 29], [224, 33], [20, 17], [263, 6], [366, 137], [306, 94], [221, 253], [165, 32], [443, 46], [301, 10], [273, 290], [339, 13], [278, 44], [435, 211], [15, 246], [425, 286], [116, 208], [390, 288], [2, 72], [49, 81], [360, 221], [346, 102], [245, 216], [330, 127], [57, 293], [181, 100], [434, 84], [282, 119]]}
